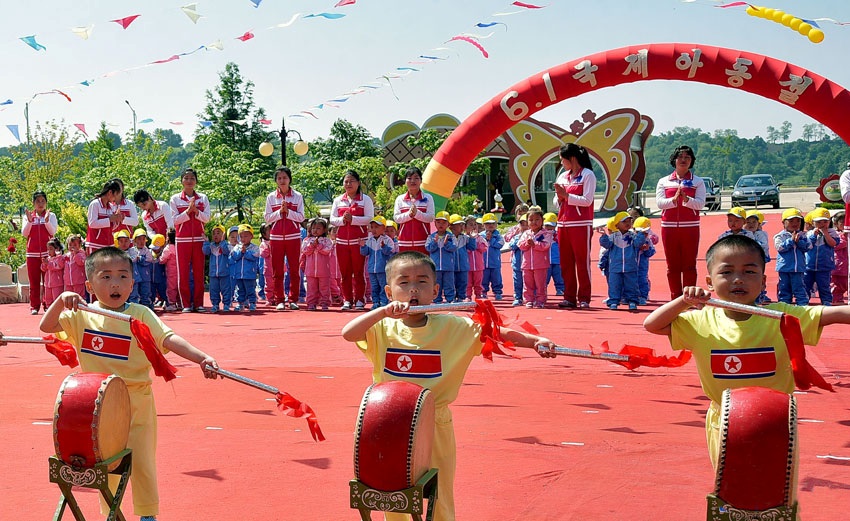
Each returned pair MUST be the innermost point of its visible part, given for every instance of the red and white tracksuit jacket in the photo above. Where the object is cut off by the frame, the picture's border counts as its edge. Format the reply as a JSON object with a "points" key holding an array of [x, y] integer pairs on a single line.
{"points": [[680, 227], [413, 231], [190, 238], [160, 220], [285, 240], [348, 237], [575, 230], [38, 232], [75, 272], [131, 217], [99, 232]]}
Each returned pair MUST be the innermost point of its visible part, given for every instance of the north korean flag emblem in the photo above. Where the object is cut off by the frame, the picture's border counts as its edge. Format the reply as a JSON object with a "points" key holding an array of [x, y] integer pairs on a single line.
{"points": [[107, 345], [413, 363], [756, 362]]}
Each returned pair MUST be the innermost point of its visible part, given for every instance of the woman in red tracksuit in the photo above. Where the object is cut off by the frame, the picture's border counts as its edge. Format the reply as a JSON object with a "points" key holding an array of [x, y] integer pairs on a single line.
{"points": [[103, 215], [39, 227], [284, 213], [351, 214], [574, 191], [191, 210], [414, 213], [680, 197]]}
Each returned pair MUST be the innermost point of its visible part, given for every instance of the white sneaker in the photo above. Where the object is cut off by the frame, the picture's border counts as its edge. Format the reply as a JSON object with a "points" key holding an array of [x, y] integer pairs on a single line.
{"points": [[281, 307], [359, 306], [346, 305]]}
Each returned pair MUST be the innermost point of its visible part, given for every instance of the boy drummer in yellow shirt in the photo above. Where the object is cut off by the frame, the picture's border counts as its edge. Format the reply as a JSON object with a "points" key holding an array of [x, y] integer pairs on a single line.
{"points": [[105, 345], [411, 281], [761, 358]]}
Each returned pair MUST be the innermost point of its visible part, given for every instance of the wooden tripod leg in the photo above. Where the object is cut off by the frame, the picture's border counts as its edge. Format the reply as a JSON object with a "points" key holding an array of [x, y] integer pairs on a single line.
{"points": [[68, 500]]}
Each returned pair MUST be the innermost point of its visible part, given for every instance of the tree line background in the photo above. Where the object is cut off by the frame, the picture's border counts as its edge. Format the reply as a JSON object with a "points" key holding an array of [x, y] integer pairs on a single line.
{"points": [[236, 178]]}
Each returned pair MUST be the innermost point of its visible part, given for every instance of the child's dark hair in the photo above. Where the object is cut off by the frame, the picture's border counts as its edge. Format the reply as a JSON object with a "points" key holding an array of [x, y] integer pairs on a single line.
{"points": [[738, 243], [172, 236], [141, 196], [321, 222], [264, 229], [636, 209], [412, 257], [57, 245], [104, 254]]}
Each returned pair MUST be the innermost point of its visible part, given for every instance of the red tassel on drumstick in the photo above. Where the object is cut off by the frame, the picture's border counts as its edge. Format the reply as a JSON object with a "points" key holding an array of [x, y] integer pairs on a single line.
{"points": [[288, 404], [140, 330], [62, 350]]}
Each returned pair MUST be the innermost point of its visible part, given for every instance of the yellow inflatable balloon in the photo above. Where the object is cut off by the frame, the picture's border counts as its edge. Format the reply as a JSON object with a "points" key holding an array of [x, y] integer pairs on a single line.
{"points": [[777, 16], [266, 149], [753, 11], [786, 19], [816, 35], [795, 24], [804, 28], [767, 13]]}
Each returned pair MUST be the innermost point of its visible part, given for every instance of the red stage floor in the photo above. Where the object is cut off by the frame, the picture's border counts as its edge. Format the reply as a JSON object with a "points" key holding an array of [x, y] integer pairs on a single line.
{"points": [[537, 439]]}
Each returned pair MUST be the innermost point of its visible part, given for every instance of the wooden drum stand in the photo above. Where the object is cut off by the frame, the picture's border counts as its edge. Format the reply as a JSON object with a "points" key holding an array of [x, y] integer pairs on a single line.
{"points": [[97, 477]]}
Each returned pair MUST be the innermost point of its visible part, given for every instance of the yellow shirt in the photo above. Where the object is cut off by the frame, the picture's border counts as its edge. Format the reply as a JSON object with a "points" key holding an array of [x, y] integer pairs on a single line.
{"points": [[105, 345], [434, 356], [730, 354]]}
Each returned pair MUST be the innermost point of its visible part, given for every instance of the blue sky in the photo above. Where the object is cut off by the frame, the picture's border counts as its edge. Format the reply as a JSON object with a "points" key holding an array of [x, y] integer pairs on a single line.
{"points": [[315, 60]]}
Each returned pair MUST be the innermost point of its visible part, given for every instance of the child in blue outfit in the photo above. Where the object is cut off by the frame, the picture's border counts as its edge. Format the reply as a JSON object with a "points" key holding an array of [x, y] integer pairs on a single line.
{"points": [[623, 246], [377, 249], [218, 250], [516, 259], [791, 244], [233, 242], [820, 260], [646, 251], [550, 222], [441, 246], [245, 258], [142, 270], [464, 245], [493, 256]]}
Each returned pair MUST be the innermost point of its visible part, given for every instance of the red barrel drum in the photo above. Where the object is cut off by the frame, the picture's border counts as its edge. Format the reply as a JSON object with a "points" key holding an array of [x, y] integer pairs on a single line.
{"points": [[395, 431], [758, 433], [91, 419]]}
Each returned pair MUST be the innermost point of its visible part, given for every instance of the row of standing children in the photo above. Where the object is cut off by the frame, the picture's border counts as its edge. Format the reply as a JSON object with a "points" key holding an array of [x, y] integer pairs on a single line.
{"points": [[627, 242]]}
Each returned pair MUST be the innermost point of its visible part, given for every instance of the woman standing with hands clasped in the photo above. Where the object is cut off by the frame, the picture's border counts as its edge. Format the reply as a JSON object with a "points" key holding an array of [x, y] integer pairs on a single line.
{"points": [[574, 191], [351, 214], [414, 213], [680, 196], [39, 227], [284, 213]]}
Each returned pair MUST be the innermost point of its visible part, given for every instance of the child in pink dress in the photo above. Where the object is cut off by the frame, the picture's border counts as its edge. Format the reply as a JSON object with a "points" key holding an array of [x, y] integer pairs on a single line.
{"points": [[53, 267], [316, 251], [474, 286], [169, 259], [535, 244], [839, 272], [75, 266], [266, 255]]}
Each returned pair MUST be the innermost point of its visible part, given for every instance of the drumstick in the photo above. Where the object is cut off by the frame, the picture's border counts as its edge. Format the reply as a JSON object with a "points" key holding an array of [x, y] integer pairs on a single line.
{"points": [[62, 350], [448, 306], [746, 308], [146, 342], [285, 401], [630, 357]]}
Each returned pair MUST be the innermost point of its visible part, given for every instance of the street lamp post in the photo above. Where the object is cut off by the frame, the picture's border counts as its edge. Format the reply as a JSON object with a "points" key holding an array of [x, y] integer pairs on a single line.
{"points": [[300, 147], [27, 118], [134, 119]]}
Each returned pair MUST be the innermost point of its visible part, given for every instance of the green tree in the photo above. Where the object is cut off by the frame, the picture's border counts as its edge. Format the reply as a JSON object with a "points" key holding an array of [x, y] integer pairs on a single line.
{"points": [[232, 179], [235, 120], [785, 131], [347, 142]]}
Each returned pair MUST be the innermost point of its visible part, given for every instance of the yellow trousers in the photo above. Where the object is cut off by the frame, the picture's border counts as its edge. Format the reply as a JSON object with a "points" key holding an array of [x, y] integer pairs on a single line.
{"points": [[142, 441], [443, 458]]}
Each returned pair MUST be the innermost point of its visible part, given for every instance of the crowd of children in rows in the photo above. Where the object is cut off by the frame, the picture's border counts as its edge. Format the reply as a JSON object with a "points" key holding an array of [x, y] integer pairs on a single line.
{"points": [[811, 255]]}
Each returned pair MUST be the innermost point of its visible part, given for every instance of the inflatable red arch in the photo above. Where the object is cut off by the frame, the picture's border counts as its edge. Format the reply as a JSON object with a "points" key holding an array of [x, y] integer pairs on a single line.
{"points": [[810, 93]]}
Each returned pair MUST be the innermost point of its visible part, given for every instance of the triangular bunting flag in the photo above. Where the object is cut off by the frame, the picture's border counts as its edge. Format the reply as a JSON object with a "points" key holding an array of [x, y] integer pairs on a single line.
{"points": [[125, 22], [83, 32], [190, 11], [82, 128], [14, 130], [30, 40]]}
